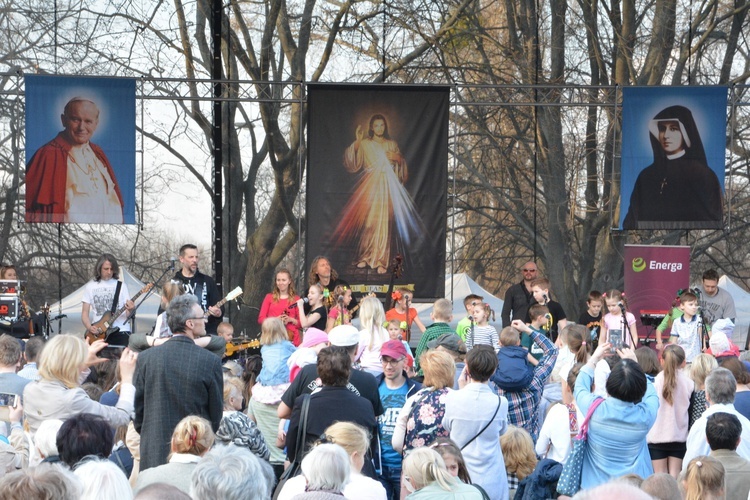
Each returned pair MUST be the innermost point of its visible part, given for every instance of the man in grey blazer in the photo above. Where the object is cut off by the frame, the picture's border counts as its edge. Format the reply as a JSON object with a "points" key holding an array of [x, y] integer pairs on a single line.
{"points": [[174, 380]]}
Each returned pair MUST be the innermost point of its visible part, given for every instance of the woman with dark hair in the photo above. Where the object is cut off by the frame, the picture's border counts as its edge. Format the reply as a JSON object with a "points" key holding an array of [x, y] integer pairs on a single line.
{"points": [[742, 395], [679, 189], [619, 425]]}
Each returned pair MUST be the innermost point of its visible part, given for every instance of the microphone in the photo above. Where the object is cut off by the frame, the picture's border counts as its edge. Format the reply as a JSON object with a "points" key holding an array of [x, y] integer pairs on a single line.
{"points": [[306, 300], [622, 306], [546, 299], [697, 292], [172, 261], [340, 299], [59, 316]]}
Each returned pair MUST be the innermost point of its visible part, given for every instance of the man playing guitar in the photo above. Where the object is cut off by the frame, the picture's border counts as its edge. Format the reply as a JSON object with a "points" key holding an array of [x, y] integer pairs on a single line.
{"points": [[200, 285], [101, 296]]}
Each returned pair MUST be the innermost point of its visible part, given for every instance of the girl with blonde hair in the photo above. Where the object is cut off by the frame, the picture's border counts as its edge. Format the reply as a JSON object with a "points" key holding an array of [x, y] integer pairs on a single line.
{"points": [[704, 479], [425, 476], [702, 365], [372, 336], [64, 363], [519, 455], [192, 438]]}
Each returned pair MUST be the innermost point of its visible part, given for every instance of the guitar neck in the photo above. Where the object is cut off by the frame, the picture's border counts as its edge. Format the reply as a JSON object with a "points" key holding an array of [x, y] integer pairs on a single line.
{"points": [[122, 309]]}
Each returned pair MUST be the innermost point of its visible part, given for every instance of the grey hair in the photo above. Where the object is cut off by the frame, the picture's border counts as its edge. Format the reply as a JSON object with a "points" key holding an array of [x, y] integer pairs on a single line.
{"points": [[326, 467], [721, 386], [179, 311], [43, 481], [231, 473], [45, 438], [101, 478]]}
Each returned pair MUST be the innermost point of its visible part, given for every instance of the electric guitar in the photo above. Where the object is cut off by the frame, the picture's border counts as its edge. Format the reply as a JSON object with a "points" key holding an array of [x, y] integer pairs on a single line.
{"points": [[241, 346], [105, 323], [230, 296]]}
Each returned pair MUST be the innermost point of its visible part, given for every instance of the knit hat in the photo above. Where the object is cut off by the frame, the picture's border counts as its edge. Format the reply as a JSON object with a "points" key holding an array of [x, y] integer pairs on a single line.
{"points": [[313, 337], [719, 343]]}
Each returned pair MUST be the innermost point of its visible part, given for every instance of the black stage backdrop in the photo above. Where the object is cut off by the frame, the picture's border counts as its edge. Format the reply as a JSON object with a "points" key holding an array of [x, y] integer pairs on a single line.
{"points": [[377, 183]]}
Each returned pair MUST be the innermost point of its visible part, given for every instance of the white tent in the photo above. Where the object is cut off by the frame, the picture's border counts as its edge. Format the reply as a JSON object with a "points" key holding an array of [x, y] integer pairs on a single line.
{"points": [[461, 286], [71, 307], [742, 307]]}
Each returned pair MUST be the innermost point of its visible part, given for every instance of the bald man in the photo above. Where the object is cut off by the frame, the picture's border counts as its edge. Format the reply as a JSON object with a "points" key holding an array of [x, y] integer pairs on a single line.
{"points": [[70, 179], [518, 297]]}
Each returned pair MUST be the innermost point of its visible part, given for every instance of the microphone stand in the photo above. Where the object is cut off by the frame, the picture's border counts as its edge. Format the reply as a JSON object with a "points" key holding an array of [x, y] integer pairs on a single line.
{"points": [[341, 308], [703, 329], [408, 320], [471, 331], [148, 294], [626, 326]]}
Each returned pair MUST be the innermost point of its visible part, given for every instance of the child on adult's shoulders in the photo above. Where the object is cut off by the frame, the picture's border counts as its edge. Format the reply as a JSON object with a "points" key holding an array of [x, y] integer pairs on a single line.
{"points": [[514, 363], [541, 290]]}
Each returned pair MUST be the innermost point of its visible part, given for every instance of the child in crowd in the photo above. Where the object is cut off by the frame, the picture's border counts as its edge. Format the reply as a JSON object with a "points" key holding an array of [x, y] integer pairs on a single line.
{"points": [[463, 326], [704, 479], [666, 323], [574, 346], [514, 371], [484, 333], [613, 322], [372, 336], [169, 291], [339, 313], [688, 328], [236, 427], [720, 345], [540, 318], [275, 350], [307, 352], [540, 288], [649, 361], [454, 460], [562, 421], [667, 437], [703, 364], [226, 331], [592, 318], [519, 455], [318, 316], [397, 331], [441, 315], [402, 297]]}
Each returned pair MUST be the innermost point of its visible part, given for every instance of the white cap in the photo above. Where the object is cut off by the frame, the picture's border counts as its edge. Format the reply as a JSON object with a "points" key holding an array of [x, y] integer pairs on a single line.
{"points": [[344, 336]]}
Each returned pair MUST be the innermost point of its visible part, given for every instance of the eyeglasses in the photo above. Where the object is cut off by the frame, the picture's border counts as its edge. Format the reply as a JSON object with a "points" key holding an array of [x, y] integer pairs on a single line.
{"points": [[202, 318], [392, 362], [529, 270]]}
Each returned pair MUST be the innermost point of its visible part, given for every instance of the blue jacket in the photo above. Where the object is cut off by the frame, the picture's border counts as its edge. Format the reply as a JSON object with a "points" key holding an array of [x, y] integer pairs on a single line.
{"points": [[616, 443], [275, 371], [540, 484]]}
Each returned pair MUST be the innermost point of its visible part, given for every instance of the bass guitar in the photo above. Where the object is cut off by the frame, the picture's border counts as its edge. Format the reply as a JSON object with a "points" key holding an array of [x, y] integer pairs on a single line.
{"points": [[105, 323]]}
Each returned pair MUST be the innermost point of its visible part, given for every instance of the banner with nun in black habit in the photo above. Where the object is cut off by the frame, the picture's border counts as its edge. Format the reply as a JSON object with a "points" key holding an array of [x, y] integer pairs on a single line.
{"points": [[673, 155]]}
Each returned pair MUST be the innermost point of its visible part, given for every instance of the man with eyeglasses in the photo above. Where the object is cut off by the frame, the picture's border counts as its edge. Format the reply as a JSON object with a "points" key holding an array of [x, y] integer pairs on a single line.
{"points": [[518, 297], [175, 380], [394, 387]]}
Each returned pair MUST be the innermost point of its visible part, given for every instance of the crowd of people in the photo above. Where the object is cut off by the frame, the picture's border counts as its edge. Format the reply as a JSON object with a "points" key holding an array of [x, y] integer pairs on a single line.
{"points": [[329, 409]]}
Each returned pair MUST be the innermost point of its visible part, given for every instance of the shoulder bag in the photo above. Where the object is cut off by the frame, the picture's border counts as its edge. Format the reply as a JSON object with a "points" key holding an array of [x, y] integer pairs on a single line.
{"points": [[570, 479], [294, 468]]}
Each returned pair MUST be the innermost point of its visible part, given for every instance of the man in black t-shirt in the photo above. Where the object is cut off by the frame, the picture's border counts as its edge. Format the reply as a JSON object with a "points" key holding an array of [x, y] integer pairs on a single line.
{"points": [[202, 286], [557, 321], [345, 337]]}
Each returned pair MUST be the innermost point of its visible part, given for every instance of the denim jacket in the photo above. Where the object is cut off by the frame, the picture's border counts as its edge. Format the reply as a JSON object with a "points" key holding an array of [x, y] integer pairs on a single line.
{"points": [[275, 370]]}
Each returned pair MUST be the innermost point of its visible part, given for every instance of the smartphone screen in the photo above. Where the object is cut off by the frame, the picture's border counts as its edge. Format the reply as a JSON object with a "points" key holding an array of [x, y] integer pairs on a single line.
{"points": [[7, 399], [615, 338]]}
